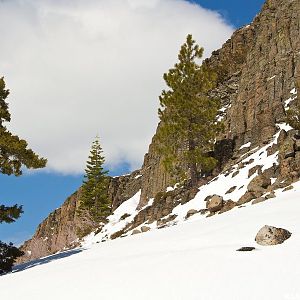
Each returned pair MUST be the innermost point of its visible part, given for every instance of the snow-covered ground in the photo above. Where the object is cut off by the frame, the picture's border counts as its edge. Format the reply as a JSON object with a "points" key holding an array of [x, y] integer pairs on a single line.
{"points": [[196, 259]]}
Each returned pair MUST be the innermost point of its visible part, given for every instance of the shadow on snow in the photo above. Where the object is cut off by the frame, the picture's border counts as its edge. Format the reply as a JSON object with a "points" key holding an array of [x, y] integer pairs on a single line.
{"points": [[45, 260]]}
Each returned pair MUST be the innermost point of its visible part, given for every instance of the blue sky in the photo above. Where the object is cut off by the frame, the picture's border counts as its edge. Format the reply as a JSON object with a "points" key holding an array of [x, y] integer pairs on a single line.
{"points": [[237, 12], [42, 192]]}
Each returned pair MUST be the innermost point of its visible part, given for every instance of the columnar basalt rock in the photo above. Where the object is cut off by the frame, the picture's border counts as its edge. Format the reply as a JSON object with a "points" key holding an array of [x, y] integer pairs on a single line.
{"points": [[269, 73]]}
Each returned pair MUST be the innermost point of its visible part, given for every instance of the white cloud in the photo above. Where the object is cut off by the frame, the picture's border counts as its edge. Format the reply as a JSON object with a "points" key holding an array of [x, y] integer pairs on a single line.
{"points": [[85, 67]]}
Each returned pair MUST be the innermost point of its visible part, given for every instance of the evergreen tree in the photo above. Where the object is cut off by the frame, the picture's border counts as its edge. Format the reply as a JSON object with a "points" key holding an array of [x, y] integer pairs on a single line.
{"points": [[13, 151], [13, 155], [293, 114], [8, 255], [188, 116], [94, 197]]}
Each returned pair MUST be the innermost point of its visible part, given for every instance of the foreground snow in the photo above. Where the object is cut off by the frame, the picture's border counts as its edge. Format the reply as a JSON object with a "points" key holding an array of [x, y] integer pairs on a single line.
{"points": [[193, 260]]}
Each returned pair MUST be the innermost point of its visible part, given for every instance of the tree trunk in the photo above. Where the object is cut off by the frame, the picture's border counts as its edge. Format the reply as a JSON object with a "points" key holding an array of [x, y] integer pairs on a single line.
{"points": [[193, 166]]}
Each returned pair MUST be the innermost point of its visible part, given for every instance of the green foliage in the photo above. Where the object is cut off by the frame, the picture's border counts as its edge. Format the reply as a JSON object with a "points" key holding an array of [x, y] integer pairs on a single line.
{"points": [[188, 116], [9, 214], [293, 114], [82, 232], [94, 198], [8, 255], [13, 151], [13, 155]]}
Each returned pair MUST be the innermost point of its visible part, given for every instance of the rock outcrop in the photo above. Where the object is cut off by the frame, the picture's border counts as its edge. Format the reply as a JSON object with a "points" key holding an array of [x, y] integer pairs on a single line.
{"points": [[62, 228], [215, 203], [257, 69]]}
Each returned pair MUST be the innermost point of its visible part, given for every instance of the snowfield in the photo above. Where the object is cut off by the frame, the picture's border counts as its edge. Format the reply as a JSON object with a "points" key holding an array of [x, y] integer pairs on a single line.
{"points": [[196, 259]]}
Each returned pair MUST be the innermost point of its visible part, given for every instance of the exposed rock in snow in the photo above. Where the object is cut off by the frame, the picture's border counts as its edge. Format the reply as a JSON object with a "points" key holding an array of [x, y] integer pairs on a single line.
{"points": [[136, 231], [145, 228], [215, 203], [259, 183], [190, 213], [246, 249], [270, 235]]}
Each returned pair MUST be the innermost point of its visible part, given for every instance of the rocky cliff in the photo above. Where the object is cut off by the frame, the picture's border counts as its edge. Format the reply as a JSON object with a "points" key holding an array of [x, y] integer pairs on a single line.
{"points": [[257, 70], [63, 227]]}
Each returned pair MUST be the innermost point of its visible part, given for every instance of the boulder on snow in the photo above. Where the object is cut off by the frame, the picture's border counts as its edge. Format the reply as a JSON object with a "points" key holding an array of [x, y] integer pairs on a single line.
{"points": [[259, 200], [135, 231], [288, 188], [247, 197], [231, 190], [270, 195], [227, 205], [190, 213], [145, 228], [215, 203], [254, 169], [269, 235], [259, 183], [123, 217]]}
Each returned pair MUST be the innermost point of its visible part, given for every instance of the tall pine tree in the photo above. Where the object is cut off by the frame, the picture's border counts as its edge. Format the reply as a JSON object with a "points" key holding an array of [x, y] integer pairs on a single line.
{"points": [[13, 155], [188, 116], [94, 197]]}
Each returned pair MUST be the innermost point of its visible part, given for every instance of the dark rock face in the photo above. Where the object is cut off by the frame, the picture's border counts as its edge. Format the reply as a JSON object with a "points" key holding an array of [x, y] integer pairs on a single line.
{"points": [[269, 235], [57, 231], [122, 188], [270, 71]]}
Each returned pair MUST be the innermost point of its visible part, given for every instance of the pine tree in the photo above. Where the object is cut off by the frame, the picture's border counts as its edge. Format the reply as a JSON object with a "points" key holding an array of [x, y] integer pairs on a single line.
{"points": [[13, 151], [13, 155], [8, 255], [293, 114], [189, 124], [94, 197]]}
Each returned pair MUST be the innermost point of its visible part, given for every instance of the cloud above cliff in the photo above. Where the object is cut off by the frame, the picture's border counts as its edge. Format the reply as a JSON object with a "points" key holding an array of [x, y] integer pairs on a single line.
{"points": [[78, 68]]}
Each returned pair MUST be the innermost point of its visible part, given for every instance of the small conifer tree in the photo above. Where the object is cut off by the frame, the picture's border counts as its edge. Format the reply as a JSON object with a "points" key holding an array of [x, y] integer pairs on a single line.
{"points": [[94, 198], [293, 114], [188, 116]]}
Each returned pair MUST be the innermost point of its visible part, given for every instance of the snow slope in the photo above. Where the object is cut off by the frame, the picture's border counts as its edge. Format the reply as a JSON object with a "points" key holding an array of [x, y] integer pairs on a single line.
{"points": [[193, 260]]}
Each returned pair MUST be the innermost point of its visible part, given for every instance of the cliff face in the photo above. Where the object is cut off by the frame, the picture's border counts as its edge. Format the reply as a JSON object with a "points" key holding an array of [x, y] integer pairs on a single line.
{"points": [[269, 73], [62, 228], [258, 67], [228, 63]]}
